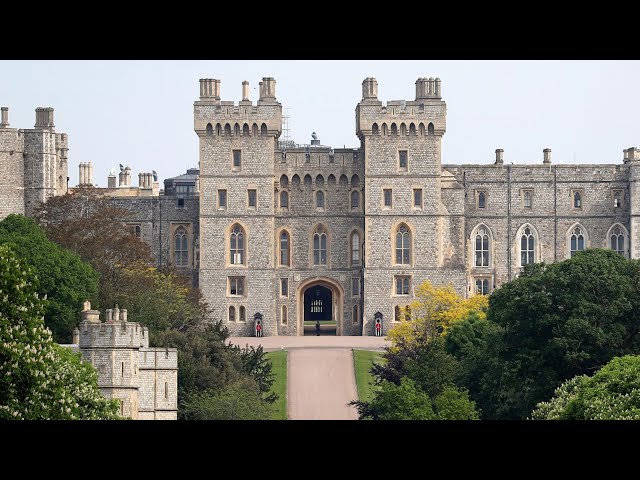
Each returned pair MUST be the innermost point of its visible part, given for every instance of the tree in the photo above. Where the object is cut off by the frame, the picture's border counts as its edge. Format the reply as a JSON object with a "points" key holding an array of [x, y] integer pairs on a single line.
{"points": [[432, 312], [556, 322], [39, 379], [88, 223], [64, 278], [612, 393], [455, 404], [240, 400]]}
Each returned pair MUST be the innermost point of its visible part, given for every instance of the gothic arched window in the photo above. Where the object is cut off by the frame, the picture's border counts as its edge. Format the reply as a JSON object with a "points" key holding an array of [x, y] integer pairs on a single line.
{"points": [[481, 248], [181, 248], [616, 240], [527, 247], [320, 246], [577, 240], [236, 243], [320, 199], [285, 252], [403, 245], [284, 199], [355, 248]]}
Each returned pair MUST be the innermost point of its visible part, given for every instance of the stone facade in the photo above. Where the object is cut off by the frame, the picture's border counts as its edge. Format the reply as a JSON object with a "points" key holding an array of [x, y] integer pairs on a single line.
{"points": [[33, 161], [390, 214], [144, 379]]}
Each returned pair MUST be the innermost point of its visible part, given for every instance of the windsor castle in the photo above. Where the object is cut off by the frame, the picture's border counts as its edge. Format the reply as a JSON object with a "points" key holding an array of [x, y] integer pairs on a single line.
{"points": [[286, 233]]}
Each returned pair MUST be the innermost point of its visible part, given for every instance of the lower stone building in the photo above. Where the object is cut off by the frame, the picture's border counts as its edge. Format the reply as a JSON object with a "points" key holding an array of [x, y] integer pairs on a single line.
{"points": [[144, 379]]}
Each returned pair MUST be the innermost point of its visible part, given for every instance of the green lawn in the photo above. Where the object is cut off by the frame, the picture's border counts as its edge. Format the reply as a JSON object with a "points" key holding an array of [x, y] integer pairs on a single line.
{"points": [[363, 360], [279, 362]]}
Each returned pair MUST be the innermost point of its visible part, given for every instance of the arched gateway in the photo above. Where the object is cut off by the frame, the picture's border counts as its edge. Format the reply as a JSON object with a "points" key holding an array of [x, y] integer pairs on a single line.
{"points": [[320, 299]]}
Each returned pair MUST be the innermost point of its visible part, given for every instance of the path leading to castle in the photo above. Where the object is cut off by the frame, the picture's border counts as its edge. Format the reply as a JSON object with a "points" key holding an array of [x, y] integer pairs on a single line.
{"points": [[320, 379], [321, 382]]}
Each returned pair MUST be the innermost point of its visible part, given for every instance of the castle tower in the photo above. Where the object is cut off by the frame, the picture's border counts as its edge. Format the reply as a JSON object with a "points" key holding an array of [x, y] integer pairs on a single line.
{"points": [[112, 347], [237, 144], [45, 161], [402, 148], [12, 171]]}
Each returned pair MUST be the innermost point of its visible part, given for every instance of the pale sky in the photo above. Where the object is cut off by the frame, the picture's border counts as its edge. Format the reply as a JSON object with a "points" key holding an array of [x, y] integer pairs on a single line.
{"points": [[140, 113]]}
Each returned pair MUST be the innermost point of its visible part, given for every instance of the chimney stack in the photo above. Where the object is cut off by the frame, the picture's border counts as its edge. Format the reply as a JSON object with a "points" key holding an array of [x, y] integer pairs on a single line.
{"points": [[4, 121], [370, 89], [499, 156], [268, 89], [547, 156], [44, 117], [76, 336], [245, 91], [209, 89]]}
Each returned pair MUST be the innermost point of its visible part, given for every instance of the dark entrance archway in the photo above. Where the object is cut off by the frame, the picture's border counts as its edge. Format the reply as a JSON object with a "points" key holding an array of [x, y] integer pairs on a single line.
{"points": [[318, 307]]}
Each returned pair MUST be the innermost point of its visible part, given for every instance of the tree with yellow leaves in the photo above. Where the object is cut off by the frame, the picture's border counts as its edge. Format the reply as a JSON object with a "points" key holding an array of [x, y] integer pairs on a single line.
{"points": [[431, 313]]}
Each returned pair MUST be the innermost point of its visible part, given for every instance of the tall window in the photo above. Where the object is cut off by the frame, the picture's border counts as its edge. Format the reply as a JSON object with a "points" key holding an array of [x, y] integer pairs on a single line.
{"points": [[355, 248], [482, 286], [617, 198], [617, 240], [135, 229], [417, 197], [320, 246], [397, 316], [482, 248], [243, 314], [402, 284], [577, 241], [355, 199], [527, 244], [402, 160], [403, 245], [232, 313], [236, 286], [388, 197], [237, 159], [283, 315], [284, 287], [285, 249], [222, 199], [356, 315], [355, 287], [252, 198], [181, 250], [320, 199], [482, 199], [527, 199], [577, 199], [237, 245], [284, 199]]}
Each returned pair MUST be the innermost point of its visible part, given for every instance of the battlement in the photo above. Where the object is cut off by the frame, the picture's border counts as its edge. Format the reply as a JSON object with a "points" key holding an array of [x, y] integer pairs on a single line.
{"points": [[426, 115], [115, 332], [155, 358], [213, 116]]}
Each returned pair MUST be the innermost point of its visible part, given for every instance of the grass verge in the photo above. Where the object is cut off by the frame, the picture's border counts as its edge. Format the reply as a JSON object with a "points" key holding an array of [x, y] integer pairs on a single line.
{"points": [[279, 362], [363, 360]]}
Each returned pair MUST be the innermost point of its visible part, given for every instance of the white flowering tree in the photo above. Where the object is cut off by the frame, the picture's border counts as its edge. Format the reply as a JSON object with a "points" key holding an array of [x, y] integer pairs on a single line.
{"points": [[39, 379]]}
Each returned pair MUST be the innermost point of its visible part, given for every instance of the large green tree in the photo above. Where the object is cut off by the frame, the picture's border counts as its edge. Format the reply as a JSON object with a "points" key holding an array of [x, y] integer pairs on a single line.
{"points": [[551, 324], [39, 379], [64, 278], [613, 393]]}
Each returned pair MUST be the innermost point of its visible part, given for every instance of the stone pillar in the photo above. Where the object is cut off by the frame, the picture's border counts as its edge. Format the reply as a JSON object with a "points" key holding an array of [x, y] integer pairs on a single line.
{"points": [[499, 156], [547, 156], [245, 91], [4, 120], [76, 336], [437, 88], [123, 315]]}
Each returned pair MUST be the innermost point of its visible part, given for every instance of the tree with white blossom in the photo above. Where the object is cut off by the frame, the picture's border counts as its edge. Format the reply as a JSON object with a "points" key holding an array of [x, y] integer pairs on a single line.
{"points": [[39, 379]]}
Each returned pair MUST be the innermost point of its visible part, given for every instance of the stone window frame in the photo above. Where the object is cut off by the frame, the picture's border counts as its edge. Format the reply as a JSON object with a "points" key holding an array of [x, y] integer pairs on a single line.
{"points": [[382, 199], [286, 280], [355, 314], [398, 165], [625, 236], [235, 168], [613, 197], [402, 277], [399, 312], [174, 226], [482, 278], [413, 197], [249, 190], [394, 230], [537, 250], [486, 199], [136, 229], [570, 233], [572, 196], [311, 235], [523, 192], [235, 315], [279, 233], [320, 193], [230, 279], [227, 244], [284, 315], [286, 193], [351, 249], [242, 314], [472, 245], [351, 195], [355, 281], [226, 198]]}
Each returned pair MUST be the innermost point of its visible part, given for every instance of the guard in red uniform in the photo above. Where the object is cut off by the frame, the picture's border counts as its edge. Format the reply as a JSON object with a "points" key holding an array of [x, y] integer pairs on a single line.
{"points": [[259, 330]]}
